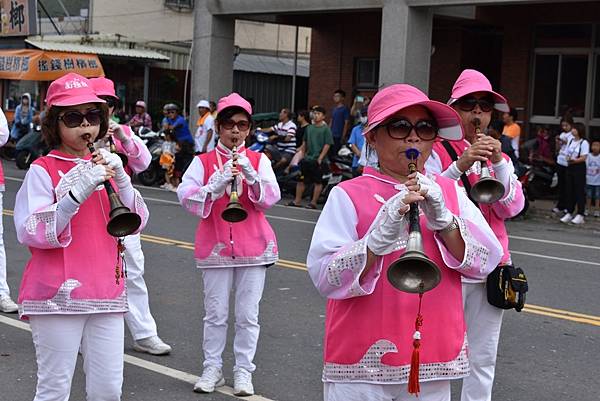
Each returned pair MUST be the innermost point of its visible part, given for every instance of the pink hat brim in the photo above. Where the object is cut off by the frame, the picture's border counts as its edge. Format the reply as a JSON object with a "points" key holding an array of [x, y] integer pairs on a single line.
{"points": [[77, 100], [447, 119]]}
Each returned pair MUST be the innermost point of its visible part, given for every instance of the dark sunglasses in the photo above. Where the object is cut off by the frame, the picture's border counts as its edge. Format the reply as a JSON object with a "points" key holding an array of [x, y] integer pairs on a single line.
{"points": [[74, 119], [468, 104], [401, 129], [242, 125]]}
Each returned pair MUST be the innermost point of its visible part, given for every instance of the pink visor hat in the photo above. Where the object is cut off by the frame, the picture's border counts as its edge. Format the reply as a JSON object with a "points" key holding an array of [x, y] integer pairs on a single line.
{"points": [[394, 98], [471, 81], [233, 100], [70, 90], [103, 87]]}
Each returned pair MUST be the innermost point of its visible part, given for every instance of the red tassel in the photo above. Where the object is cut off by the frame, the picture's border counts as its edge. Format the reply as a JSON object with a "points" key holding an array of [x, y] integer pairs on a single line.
{"points": [[414, 386]]}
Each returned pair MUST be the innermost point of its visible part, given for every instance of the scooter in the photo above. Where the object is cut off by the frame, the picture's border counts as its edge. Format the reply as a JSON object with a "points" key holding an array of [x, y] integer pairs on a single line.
{"points": [[30, 147], [154, 174]]}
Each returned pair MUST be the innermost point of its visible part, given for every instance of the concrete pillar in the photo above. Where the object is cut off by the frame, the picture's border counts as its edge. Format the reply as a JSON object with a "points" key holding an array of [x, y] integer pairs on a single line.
{"points": [[212, 57], [405, 44]]}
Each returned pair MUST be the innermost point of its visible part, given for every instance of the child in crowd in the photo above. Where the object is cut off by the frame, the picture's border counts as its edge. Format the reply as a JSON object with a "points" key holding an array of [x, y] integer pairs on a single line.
{"points": [[69, 291], [231, 255], [593, 179], [167, 160]]}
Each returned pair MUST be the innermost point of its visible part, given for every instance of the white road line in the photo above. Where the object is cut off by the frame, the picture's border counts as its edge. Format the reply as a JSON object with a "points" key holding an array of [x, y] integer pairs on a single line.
{"points": [[553, 242], [537, 255], [151, 366]]}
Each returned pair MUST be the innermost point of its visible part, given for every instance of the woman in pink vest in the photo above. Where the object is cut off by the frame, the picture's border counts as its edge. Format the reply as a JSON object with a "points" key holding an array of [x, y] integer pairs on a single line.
{"points": [[139, 319], [472, 97], [231, 255], [71, 291], [370, 325]]}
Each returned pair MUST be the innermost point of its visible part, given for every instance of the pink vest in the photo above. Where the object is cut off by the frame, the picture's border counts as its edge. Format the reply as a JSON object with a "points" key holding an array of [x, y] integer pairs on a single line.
{"points": [[1, 177], [79, 278], [369, 338], [496, 223], [254, 241]]}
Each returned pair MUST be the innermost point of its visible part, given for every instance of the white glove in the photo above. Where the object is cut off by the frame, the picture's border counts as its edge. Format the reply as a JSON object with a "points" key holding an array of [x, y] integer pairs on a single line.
{"points": [[247, 170], [389, 226], [217, 183], [117, 131], [434, 207], [114, 161], [88, 181]]}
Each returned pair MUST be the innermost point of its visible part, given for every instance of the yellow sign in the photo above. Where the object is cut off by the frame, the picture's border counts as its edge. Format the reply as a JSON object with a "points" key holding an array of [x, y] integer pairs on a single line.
{"points": [[14, 17], [39, 65]]}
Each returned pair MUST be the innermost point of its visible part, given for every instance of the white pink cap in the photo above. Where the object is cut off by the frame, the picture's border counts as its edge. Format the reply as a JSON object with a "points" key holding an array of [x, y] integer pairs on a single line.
{"points": [[70, 90], [471, 81]]}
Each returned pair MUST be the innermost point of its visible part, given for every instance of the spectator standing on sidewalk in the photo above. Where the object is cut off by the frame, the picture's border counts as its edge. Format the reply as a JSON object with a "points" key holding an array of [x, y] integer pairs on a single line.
{"points": [[357, 142], [566, 124], [593, 179], [340, 121], [204, 138], [316, 144], [576, 154], [7, 305], [511, 129]]}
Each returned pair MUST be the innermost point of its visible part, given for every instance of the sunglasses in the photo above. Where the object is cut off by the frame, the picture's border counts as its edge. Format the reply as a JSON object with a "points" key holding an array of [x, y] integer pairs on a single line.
{"points": [[468, 104], [401, 129], [73, 119], [242, 125]]}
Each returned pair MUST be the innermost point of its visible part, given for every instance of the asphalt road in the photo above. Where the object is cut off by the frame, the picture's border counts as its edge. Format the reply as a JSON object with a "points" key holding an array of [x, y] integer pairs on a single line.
{"points": [[547, 352]]}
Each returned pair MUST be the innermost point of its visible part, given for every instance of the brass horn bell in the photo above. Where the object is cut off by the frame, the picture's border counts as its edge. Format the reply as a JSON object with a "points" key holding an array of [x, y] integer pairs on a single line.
{"points": [[234, 212], [122, 221], [487, 189]]}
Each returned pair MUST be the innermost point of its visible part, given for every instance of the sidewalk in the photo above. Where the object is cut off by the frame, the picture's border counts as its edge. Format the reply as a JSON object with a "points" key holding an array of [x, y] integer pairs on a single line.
{"points": [[542, 209]]}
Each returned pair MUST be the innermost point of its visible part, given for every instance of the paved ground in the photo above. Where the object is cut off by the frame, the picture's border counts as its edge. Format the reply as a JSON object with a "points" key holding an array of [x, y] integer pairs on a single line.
{"points": [[548, 352]]}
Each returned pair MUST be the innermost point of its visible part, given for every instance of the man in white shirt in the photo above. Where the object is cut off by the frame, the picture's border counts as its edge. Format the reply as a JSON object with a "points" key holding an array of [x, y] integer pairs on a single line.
{"points": [[204, 140]]}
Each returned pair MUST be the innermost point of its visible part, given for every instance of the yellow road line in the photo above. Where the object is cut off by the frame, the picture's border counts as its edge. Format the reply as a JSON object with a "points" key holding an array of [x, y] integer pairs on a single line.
{"points": [[290, 264]]}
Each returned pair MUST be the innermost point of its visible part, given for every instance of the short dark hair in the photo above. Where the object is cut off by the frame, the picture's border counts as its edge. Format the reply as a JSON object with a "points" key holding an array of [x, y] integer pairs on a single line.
{"points": [[320, 109], [341, 92], [513, 113], [580, 130], [497, 125], [305, 114], [50, 132]]}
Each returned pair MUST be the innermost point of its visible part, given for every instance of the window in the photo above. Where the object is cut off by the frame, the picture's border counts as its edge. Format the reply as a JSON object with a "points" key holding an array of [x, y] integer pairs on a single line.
{"points": [[565, 73], [565, 35], [187, 4], [366, 73]]}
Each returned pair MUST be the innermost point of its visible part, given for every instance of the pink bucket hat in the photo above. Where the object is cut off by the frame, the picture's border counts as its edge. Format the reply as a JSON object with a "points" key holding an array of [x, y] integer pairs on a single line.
{"points": [[70, 90], [394, 98], [471, 81], [103, 87], [233, 100]]}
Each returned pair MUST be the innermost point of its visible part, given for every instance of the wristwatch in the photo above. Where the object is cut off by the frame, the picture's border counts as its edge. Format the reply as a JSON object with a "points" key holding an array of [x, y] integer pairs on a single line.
{"points": [[451, 227]]}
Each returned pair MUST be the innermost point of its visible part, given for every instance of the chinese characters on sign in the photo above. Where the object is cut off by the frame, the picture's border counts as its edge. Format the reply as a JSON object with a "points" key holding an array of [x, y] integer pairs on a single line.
{"points": [[14, 18], [46, 66]]}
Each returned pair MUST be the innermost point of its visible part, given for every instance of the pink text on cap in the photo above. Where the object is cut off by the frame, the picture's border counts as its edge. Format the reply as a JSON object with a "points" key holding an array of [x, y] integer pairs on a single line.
{"points": [[71, 89]]}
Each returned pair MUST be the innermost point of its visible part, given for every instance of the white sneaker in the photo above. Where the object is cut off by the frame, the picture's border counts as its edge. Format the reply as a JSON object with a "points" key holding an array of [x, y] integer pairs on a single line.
{"points": [[597, 213], [152, 345], [578, 220], [242, 382], [211, 377], [566, 218], [556, 210], [7, 305]]}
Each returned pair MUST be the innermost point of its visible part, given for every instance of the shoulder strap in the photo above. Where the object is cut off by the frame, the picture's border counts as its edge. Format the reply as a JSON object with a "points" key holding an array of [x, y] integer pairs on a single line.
{"points": [[463, 176]]}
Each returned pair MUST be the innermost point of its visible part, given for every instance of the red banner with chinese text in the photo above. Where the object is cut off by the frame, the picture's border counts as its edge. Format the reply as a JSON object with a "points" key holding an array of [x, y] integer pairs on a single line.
{"points": [[39, 65]]}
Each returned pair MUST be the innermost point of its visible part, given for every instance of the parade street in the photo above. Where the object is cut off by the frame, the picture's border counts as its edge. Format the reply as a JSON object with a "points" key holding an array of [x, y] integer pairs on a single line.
{"points": [[547, 352]]}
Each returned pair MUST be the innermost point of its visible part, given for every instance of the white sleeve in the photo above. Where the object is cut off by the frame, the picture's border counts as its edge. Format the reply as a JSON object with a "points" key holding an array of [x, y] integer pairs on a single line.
{"points": [[433, 164], [337, 257], [191, 192], [4, 132], [265, 192]]}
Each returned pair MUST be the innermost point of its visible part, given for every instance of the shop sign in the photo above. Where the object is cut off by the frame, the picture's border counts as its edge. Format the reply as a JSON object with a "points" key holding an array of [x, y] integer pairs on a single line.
{"points": [[39, 65]]}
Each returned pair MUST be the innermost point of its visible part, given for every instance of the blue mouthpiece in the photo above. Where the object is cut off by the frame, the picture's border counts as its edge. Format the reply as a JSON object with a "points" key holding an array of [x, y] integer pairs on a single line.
{"points": [[412, 154]]}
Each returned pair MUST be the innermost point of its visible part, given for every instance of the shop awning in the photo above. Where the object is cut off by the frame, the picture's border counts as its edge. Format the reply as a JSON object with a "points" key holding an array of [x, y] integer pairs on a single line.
{"points": [[113, 51], [38, 65]]}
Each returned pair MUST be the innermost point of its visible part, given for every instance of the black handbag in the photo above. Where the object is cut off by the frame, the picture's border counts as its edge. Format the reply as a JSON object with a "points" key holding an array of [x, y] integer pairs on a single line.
{"points": [[506, 287]]}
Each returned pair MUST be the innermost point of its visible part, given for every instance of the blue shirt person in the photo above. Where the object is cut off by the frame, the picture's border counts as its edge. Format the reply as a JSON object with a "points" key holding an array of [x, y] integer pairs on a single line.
{"points": [[356, 142]]}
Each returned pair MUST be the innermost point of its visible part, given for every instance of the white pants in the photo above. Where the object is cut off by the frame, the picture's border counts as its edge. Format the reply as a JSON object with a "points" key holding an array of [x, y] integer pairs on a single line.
{"points": [[4, 290], [139, 319], [248, 283], [438, 390], [483, 332], [57, 340]]}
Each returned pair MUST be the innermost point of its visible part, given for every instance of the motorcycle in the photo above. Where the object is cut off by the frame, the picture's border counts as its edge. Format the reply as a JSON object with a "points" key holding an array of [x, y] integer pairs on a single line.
{"points": [[154, 174], [30, 147]]}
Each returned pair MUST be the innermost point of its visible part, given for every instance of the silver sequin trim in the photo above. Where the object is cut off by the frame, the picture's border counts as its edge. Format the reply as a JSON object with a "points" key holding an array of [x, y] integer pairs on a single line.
{"points": [[195, 202], [63, 303], [47, 217], [268, 257], [352, 258], [371, 369], [476, 255], [512, 191]]}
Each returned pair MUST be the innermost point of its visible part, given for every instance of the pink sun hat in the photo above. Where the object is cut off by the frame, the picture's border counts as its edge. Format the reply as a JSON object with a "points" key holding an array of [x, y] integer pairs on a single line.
{"points": [[233, 100], [104, 87], [70, 90], [394, 98], [471, 81]]}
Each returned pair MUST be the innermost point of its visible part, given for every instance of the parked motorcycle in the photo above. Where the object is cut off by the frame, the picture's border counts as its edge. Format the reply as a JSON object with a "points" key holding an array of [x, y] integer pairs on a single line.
{"points": [[30, 147], [154, 174]]}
